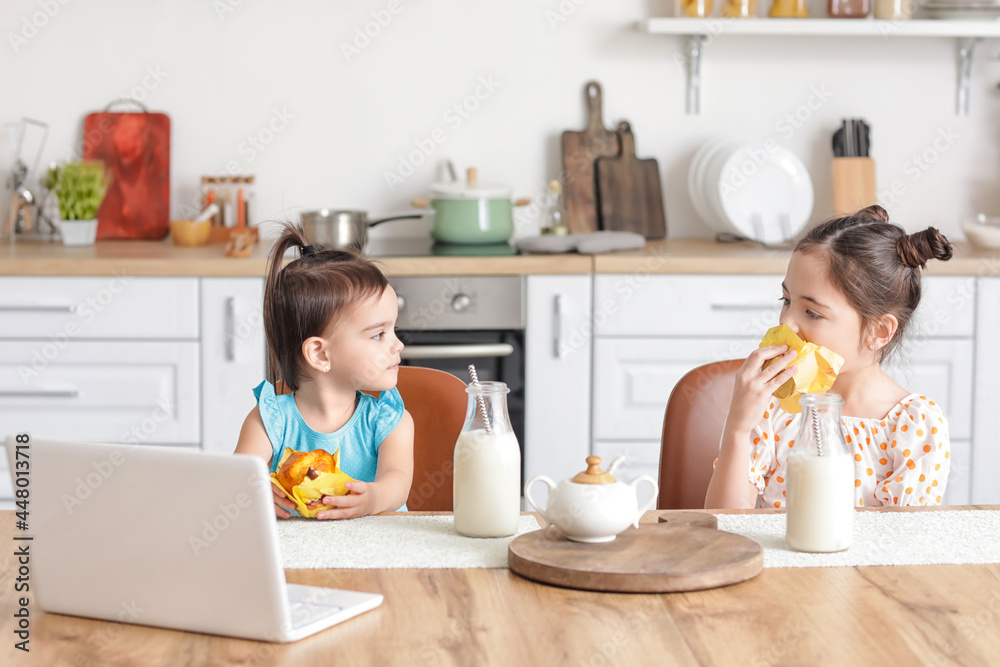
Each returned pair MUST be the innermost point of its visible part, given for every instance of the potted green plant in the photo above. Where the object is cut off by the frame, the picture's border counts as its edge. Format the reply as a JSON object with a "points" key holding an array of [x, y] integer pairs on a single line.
{"points": [[79, 187]]}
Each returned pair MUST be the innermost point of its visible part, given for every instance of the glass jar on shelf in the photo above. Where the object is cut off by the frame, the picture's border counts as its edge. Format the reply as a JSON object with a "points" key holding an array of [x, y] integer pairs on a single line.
{"points": [[848, 9], [893, 10], [697, 9], [788, 9], [740, 9]]}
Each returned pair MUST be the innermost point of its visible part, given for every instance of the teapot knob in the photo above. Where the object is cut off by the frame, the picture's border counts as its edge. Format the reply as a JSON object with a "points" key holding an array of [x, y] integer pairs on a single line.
{"points": [[594, 465]]}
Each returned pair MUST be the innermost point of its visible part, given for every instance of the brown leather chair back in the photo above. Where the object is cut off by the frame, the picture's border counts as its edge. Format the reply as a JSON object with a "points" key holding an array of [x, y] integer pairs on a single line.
{"points": [[692, 428], [437, 402]]}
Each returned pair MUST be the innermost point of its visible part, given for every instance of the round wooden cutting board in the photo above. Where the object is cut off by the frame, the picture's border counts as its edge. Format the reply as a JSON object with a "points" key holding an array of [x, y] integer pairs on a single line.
{"points": [[671, 556]]}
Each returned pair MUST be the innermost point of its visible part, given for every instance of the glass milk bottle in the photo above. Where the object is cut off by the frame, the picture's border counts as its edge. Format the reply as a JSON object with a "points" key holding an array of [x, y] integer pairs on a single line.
{"points": [[487, 466], [820, 480]]}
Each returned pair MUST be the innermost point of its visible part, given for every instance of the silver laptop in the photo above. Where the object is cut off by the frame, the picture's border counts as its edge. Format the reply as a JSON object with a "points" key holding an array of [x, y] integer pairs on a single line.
{"points": [[165, 537]]}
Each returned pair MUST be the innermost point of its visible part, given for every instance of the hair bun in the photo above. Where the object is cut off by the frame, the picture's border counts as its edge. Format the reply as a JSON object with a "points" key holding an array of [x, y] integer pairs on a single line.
{"points": [[874, 212], [915, 249]]}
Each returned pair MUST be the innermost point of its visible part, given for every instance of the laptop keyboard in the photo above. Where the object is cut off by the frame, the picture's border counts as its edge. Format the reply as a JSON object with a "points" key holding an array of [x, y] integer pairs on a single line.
{"points": [[304, 613]]}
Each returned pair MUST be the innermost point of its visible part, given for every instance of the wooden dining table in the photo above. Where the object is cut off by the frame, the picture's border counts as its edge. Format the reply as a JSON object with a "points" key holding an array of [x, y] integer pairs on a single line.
{"points": [[887, 615]]}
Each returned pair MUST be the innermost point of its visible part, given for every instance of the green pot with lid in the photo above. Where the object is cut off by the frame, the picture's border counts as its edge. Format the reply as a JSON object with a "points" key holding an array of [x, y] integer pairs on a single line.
{"points": [[470, 212]]}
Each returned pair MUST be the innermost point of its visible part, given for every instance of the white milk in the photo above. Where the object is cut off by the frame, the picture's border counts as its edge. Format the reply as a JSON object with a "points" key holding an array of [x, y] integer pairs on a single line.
{"points": [[820, 503], [487, 484]]}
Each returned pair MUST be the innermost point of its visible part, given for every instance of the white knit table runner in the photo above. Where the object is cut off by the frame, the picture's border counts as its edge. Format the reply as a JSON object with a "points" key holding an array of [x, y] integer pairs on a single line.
{"points": [[390, 542], [884, 538]]}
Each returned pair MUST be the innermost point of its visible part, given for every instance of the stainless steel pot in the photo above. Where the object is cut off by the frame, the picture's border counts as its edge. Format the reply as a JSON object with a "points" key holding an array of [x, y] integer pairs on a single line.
{"points": [[331, 228]]}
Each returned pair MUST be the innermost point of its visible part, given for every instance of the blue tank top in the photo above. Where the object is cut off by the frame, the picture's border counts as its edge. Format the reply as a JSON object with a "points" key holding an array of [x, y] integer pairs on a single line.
{"points": [[358, 440]]}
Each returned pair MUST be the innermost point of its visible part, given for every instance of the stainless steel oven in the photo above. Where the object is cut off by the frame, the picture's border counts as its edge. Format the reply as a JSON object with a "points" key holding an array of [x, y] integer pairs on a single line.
{"points": [[449, 322]]}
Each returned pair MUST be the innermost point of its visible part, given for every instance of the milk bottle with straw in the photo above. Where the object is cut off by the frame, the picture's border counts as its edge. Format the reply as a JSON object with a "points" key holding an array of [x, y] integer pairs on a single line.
{"points": [[820, 480], [487, 464]]}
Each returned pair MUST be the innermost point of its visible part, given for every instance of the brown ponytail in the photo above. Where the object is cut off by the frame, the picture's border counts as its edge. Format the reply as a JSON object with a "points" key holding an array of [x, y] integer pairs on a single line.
{"points": [[876, 264], [308, 297]]}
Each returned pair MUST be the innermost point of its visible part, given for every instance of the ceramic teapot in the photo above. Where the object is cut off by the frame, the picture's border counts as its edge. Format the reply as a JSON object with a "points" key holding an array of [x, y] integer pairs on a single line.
{"points": [[592, 506]]}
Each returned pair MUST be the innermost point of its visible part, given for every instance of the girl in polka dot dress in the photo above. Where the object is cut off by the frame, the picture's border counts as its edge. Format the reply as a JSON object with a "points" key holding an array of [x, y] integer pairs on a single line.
{"points": [[852, 286]]}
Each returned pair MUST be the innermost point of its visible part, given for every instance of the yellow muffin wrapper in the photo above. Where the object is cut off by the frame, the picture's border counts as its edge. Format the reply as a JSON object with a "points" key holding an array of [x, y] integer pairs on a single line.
{"points": [[326, 484], [817, 367]]}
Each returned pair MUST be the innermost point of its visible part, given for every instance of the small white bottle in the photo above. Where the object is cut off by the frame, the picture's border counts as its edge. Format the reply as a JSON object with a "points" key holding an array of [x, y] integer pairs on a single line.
{"points": [[820, 480], [487, 466]]}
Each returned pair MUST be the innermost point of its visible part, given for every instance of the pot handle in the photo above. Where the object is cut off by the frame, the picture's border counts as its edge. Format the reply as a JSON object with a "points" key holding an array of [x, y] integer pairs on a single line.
{"points": [[420, 203], [524, 201], [401, 216], [652, 501], [527, 492]]}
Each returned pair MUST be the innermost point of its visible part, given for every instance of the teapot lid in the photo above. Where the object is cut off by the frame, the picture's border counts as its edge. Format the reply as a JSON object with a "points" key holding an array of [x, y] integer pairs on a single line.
{"points": [[593, 474]]}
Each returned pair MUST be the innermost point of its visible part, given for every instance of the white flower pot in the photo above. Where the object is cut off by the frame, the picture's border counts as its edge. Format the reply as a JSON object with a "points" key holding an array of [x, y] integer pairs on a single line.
{"points": [[77, 232]]}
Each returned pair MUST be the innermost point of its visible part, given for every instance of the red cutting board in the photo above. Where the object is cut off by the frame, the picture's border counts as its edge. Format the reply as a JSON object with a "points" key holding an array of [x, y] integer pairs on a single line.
{"points": [[579, 150], [135, 149]]}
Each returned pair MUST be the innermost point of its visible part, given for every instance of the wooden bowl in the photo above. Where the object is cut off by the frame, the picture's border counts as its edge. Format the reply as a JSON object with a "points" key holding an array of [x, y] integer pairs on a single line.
{"points": [[189, 232]]}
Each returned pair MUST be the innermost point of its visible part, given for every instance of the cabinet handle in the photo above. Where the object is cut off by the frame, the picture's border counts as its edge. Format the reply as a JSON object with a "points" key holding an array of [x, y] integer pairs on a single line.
{"points": [[744, 306], [228, 331], [41, 393], [37, 309], [557, 317]]}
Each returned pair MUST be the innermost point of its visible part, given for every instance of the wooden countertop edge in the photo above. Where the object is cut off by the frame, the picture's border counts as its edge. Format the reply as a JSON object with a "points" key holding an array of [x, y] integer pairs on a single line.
{"points": [[668, 257]]}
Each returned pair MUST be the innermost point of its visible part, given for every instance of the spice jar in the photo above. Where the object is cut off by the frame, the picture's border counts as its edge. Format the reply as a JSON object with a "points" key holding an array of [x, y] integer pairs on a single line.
{"points": [[820, 480], [788, 9]]}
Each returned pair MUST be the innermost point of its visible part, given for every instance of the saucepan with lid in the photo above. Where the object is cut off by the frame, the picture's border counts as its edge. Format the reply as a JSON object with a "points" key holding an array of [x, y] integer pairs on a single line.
{"points": [[344, 228], [471, 212]]}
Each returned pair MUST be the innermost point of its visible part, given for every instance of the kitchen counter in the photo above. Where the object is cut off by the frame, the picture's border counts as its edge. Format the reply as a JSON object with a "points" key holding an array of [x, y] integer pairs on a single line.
{"points": [[704, 256], [162, 258], [680, 256]]}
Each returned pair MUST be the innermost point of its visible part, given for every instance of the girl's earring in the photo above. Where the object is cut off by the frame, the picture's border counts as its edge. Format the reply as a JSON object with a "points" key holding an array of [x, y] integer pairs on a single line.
{"points": [[871, 346], [326, 369]]}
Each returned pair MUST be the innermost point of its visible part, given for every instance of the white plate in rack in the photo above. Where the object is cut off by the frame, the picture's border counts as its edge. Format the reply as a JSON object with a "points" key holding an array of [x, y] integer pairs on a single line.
{"points": [[764, 192]]}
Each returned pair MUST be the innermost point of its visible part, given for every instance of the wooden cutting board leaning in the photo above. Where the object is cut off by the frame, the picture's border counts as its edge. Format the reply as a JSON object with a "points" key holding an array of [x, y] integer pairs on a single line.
{"points": [[630, 196], [135, 149], [684, 553], [579, 150]]}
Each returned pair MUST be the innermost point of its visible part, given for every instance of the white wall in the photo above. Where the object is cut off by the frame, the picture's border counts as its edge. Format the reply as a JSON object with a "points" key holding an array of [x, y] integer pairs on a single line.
{"points": [[224, 73]]}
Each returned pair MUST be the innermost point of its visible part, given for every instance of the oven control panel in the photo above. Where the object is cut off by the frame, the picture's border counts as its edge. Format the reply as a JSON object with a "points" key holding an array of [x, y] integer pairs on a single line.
{"points": [[443, 303]]}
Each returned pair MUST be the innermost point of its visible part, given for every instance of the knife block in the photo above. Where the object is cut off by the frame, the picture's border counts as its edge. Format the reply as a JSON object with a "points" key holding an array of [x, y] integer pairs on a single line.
{"points": [[853, 184]]}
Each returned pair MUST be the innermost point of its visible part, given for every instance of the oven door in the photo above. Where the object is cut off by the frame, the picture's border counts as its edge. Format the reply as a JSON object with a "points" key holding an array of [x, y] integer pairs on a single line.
{"points": [[497, 355]]}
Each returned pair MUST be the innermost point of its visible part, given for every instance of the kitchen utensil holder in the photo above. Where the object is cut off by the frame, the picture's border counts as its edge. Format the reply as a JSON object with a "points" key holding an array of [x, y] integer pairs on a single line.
{"points": [[853, 184]]}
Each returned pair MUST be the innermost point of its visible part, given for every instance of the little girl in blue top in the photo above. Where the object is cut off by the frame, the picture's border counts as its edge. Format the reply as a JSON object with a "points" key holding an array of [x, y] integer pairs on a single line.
{"points": [[329, 319]]}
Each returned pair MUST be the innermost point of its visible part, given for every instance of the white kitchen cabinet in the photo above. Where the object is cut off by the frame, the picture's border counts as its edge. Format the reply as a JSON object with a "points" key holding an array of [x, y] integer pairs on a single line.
{"points": [[232, 352], [633, 378], [652, 330], [116, 307], [986, 435], [557, 375]]}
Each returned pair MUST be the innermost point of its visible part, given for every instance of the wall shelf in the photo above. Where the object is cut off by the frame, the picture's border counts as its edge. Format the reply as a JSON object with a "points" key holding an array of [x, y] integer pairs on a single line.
{"points": [[966, 33]]}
